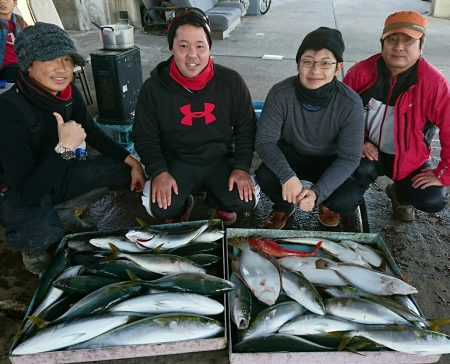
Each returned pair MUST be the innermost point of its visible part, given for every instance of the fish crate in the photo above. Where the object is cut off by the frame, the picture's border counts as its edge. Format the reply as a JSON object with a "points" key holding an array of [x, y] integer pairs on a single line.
{"points": [[316, 357], [132, 351]]}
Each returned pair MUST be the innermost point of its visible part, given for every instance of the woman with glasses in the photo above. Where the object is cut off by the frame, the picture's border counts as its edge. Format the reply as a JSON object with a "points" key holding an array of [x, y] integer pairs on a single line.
{"points": [[194, 128], [311, 128], [405, 100]]}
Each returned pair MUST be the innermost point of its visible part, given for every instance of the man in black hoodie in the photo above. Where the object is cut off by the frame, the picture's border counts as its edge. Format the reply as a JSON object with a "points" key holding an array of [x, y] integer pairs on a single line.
{"points": [[194, 128]]}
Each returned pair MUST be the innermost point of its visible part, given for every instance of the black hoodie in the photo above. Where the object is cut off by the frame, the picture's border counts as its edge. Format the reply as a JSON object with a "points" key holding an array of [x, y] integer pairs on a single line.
{"points": [[200, 127]]}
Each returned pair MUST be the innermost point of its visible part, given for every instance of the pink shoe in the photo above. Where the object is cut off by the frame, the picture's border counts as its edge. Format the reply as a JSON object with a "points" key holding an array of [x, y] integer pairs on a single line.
{"points": [[228, 218]]}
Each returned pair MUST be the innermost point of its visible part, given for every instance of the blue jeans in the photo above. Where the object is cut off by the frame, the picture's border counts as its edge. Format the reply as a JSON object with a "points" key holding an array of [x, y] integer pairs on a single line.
{"points": [[33, 228]]}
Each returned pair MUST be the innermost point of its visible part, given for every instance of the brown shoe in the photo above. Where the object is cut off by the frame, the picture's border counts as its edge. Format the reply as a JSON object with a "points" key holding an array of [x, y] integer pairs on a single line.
{"points": [[277, 219], [401, 211], [327, 217]]}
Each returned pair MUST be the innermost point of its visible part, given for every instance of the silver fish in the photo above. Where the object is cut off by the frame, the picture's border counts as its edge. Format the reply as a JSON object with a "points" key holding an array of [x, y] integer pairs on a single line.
{"points": [[407, 302], [170, 302], [240, 303], [366, 252], [297, 287], [163, 263], [407, 310], [313, 324], [373, 282], [409, 340], [80, 245], [307, 266], [209, 235], [54, 293], [339, 251], [124, 245], [260, 275], [165, 240], [157, 329], [362, 311], [271, 319], [69, 333]]}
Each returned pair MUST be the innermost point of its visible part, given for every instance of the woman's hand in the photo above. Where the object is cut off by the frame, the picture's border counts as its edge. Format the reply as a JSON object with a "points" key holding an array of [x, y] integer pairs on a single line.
{"points": [[291, 189]]}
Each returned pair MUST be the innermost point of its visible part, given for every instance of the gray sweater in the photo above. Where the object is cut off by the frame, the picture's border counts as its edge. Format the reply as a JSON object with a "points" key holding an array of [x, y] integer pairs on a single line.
{"points": [[337, 129]]}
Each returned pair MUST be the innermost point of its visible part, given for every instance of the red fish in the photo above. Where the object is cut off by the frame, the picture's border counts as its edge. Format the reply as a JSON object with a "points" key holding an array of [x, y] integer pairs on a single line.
{"points": [[273, 249]]}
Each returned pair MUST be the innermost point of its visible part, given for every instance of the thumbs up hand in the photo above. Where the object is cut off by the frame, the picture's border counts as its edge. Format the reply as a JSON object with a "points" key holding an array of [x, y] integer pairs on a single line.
{"points": [[70, 134]]}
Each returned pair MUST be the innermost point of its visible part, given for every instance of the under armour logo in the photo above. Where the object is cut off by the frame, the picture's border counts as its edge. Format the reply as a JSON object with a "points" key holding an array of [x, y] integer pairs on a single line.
{"points": [[206, 113]]}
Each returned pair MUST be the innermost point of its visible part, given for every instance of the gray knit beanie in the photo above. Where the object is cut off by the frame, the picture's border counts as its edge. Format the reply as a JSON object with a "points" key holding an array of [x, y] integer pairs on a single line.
{"points": [[44, 42]]}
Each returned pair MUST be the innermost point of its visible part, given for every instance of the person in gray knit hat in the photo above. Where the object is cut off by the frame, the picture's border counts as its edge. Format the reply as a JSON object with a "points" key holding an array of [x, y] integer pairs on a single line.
{"points": [[44, 42], [311, 128], [44, 128]]}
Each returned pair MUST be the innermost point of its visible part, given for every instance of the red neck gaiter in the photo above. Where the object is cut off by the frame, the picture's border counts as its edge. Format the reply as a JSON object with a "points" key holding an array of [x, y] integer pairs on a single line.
{"points": [[193, 83]]}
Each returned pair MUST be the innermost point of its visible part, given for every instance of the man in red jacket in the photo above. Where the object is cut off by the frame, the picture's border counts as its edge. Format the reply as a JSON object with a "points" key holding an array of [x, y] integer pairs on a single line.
{"points": [[404, 98]]}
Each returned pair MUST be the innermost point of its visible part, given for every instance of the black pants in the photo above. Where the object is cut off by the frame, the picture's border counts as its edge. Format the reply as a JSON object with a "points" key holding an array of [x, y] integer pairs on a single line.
{"points": [[32, 229], [308, 168], [430, 199], [212, 179]]}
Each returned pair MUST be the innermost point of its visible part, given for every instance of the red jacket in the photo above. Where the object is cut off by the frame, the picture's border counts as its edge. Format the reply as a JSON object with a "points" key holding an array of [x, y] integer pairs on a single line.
{"points": [[428, 99]]}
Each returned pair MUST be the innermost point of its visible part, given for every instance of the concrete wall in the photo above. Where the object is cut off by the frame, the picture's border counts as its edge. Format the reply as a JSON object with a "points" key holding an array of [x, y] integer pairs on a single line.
{"points": [[441, 9], [78, 14]]}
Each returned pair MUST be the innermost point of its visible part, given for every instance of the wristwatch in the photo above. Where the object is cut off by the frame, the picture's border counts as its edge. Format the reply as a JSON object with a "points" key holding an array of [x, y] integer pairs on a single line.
{"points": [[65, 153]]}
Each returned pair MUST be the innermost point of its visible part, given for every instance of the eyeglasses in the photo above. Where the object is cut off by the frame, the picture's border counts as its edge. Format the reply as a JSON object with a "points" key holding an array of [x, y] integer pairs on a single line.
{"points": [[394, 40], [193, 12], [324, 65]]}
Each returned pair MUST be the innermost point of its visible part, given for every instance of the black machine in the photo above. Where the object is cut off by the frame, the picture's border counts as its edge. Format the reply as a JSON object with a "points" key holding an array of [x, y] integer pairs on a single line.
{"points": [[117, 79]]}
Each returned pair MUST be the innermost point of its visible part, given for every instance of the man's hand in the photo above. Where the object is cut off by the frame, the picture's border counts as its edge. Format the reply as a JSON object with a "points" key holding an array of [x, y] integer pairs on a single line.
{"points": [[137, 174], [306, 199], [244, 183], [425, 178], [70, 134], [370, 151], [291, 189], [162, 186]]}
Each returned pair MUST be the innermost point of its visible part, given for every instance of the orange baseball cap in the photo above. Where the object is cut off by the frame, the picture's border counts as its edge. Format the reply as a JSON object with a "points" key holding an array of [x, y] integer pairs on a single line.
{"points": [[408, 22]]}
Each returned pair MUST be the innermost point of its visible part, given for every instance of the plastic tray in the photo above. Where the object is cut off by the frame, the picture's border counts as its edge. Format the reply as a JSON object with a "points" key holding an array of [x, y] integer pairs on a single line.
{"points": [[335, 357], [128, 351]]}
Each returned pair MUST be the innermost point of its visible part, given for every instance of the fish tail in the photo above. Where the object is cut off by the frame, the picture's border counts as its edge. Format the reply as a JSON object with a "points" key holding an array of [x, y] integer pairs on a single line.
{"points": [[114, 252], [132, 276], [40, 322], [356, 348], [345, 340], [435, 324], [237, 242], [141, 222]]}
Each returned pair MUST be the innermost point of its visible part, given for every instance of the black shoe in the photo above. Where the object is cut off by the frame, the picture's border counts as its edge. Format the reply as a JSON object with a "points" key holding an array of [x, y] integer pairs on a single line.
{"points": [[185, 215]]}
